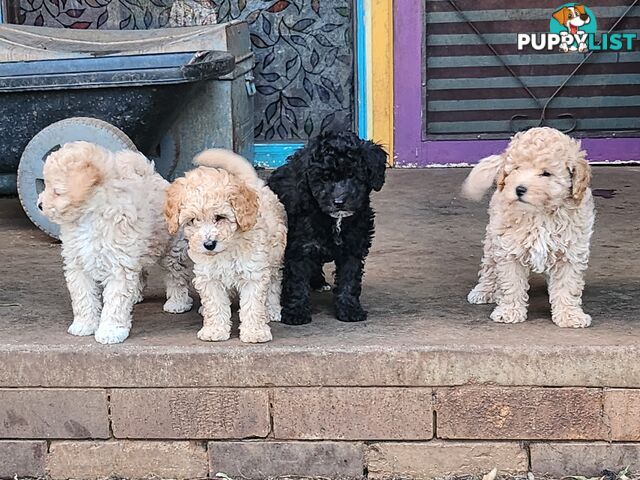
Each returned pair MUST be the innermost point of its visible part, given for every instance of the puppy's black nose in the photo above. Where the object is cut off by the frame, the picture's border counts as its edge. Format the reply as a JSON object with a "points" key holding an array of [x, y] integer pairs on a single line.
{"points": [[339, 202], [584, 17], [40, 206], [210, 245], [521, 190]]}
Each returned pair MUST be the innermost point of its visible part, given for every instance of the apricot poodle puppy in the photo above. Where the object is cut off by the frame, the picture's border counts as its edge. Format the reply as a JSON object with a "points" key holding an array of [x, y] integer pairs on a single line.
{"points": [[541, 220], [109, 208], [236, 230]]}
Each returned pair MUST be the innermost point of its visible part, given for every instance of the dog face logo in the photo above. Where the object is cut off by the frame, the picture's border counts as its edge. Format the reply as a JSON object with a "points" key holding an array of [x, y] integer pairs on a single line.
{"points": [[572, 18], [574, 22]]}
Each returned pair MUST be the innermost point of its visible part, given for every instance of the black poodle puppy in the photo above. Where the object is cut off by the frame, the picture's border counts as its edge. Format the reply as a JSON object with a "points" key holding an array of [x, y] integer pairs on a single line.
{"points": [[325, 189]]}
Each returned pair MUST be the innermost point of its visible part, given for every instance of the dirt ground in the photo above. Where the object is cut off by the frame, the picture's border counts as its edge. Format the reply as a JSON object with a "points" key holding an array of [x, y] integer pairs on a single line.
{"points": [[423, 263]]}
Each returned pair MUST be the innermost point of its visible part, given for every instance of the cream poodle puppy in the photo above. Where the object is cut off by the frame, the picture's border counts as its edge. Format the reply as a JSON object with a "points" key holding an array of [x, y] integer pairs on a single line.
{"points": [[541, 220], [109, 208], [236, 230]]}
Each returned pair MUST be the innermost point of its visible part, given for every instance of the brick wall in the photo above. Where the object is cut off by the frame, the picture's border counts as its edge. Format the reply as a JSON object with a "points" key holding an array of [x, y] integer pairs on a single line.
{"points": [[335, 432]]}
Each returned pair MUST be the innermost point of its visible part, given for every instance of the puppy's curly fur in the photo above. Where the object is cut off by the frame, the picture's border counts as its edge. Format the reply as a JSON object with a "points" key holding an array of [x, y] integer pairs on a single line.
{"points": [[541, 220], [109, 208], [325, 188], [236, 230]]}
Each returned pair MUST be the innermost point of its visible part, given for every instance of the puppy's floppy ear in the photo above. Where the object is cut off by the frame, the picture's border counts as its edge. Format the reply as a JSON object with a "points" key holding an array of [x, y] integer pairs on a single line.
{"points": [[83, 177], [501, 178], [561, 16], [376, 159], [173, 204], [482, 176], [244, 202], [580, 177], [580, 9]]}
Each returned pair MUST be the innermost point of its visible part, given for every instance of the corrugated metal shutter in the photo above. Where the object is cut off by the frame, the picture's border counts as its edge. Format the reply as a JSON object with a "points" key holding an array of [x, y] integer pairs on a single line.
{"points": [[469, 93]]}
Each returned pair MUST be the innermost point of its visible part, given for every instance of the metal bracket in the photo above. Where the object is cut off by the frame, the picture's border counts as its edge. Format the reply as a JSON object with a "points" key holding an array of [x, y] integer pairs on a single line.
{"points": [[251, 86]]}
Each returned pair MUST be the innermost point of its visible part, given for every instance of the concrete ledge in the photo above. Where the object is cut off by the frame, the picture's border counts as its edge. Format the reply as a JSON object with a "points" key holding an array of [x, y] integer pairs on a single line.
{"points": [[421, 331], [233, 365]]}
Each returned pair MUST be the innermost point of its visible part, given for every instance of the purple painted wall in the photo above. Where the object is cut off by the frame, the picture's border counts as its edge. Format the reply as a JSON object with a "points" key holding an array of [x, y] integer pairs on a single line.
{"points": [[411, 150]]}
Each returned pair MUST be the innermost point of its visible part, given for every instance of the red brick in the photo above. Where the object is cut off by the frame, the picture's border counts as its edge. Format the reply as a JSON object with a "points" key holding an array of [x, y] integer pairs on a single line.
{"points": [[353, 413], [520, 413], [259, 460], [587, 459], [622, 408], [22, 458], [126, 459], [45, 413], [440, 459], [190, 413]]}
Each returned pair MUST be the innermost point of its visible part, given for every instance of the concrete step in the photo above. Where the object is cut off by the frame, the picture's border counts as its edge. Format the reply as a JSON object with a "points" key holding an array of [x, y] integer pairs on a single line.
{"points": [[420, 332]]}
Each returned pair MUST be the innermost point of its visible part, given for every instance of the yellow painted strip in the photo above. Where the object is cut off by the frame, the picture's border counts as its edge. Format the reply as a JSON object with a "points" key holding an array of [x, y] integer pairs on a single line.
{"points": [[381, 77]]}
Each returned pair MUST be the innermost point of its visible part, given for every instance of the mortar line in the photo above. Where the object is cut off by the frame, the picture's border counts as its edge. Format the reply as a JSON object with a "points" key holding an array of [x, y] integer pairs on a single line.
{"points": [[109, 419], [434, 401]]}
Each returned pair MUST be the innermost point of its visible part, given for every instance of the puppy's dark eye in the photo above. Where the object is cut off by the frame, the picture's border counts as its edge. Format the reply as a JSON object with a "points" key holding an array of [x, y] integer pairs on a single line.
{"points": [[219, 218], [545, 174], [326, 176]]}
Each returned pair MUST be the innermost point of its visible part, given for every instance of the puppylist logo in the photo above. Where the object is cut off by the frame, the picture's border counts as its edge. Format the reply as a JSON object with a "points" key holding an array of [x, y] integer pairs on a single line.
{"points": [[573, 28]]}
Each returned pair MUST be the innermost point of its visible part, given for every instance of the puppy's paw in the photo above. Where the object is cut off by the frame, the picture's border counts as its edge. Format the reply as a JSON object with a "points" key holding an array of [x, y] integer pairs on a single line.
{"points": [[108, 334], [295, 317], [274, 314], [178, 304], [571, 318], [82, 328], [479, 295], [350, 311], [255, 334], [214, 334], [509, 314]]}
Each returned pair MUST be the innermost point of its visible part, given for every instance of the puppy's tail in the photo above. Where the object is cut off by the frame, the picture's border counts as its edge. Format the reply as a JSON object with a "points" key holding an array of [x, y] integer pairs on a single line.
{"points": [[229, 161], [481, 177]]}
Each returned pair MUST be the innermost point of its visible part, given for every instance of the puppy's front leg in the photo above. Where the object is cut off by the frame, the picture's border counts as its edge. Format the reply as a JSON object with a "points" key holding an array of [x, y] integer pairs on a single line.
{"points": [[512, 296], [85, 301], [177, 281], [296, 309], [566, 283], [254, 321], [348, 288], [215, 310], [119, 295]]}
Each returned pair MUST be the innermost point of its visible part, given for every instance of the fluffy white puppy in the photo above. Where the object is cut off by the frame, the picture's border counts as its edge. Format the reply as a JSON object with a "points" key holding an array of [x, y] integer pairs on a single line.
{"points": [[109, 208], [236, 230], [541, 220]]}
